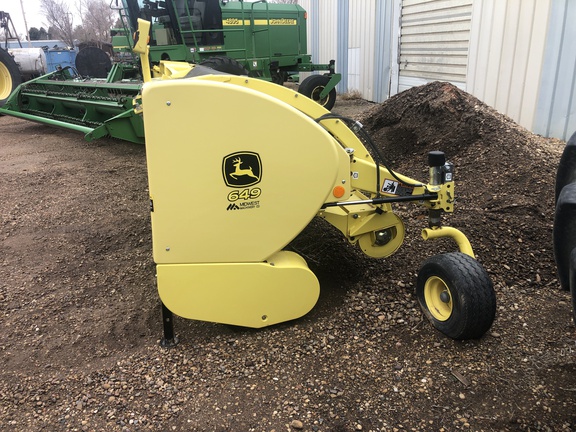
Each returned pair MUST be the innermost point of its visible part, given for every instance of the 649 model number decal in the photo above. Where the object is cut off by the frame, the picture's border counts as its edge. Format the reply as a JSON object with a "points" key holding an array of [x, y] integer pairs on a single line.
{"points": [[244, 194]]}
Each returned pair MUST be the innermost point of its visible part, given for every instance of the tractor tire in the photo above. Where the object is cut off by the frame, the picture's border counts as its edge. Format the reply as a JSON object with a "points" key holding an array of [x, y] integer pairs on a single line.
{"points": [[313, 86], [9, 76], [93, 62], [456, 295], [224, 64], [564, 232], [566, 172], [573, 282]]}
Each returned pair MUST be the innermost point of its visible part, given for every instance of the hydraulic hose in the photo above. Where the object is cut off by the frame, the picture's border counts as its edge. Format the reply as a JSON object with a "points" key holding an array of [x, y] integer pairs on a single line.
{"points": [[358, 128]]}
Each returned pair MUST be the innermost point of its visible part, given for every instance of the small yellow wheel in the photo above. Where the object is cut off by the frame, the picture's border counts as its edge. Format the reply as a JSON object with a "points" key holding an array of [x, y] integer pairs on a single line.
{"points": [[456, 295], [438, 298]]}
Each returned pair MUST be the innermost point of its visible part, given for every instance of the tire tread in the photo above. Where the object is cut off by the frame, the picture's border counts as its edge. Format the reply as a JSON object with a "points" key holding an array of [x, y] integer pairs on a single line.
{"points": [[475, 308]]}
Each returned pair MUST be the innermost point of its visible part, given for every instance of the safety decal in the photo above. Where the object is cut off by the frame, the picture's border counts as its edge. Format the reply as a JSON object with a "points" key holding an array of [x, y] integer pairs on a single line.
{"points": [[393, 187], [207, 48], [242, 169], [243, 205]]}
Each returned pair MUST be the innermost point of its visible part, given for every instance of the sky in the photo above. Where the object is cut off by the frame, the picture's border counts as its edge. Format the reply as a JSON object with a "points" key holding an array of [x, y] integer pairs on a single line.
{"points": [[34, 17]]}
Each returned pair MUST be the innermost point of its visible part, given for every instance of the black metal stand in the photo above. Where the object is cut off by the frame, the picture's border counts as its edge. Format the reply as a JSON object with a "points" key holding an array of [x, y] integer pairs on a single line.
{"points": [[168, 340]]}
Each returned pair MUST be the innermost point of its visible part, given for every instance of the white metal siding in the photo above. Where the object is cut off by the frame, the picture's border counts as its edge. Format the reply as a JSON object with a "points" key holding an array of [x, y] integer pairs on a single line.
{"points": [[556, 110], [328, 25], [434, 41], [515, 55], [384, 68], [506, 55], [358, 60], [323, 14], [322, 44], [354, 69], [361, 21]]}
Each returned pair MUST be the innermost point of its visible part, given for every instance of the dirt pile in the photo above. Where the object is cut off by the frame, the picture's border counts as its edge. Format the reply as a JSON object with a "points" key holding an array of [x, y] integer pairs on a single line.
{"points": [[504, 183], [504, 173], [439, 115]]}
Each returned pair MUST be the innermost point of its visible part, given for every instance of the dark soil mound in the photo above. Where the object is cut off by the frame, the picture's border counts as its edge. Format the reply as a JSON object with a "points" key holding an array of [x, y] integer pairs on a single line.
{"points": [[504, 173], [504, 188], [441, 116]]}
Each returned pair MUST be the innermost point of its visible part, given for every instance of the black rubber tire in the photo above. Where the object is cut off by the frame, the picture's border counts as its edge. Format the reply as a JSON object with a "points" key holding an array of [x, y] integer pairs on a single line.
{"points": [[9, 76], [93, 62], [471, 308], [312, 87], [573, 282], [225, 64], [566, 172], [564, 232]]}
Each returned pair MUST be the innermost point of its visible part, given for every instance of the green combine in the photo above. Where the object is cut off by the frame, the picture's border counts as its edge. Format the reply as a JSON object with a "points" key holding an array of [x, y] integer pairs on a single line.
{"points": [[262, 40]]}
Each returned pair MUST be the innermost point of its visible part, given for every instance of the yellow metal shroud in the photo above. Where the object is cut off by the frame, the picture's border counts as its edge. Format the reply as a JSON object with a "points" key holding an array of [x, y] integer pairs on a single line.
{"points": [[237, 168], [244, 294]]}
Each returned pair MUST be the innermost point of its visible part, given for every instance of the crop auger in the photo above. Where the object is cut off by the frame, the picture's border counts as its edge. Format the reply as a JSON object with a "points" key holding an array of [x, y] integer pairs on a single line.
{"points": [[238, 167]]}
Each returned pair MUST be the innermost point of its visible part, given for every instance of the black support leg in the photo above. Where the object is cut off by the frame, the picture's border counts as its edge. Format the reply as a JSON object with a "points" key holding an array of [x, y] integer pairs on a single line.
{"points": [[168, 340]]}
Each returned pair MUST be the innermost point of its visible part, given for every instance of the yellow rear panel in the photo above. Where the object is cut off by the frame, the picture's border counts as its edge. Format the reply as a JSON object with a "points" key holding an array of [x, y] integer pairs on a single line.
{"points": [[234, 174]]}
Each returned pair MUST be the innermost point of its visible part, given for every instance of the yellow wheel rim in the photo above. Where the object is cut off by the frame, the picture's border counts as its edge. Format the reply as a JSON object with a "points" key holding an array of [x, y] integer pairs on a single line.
{"points": [[315, 96], [5, 82], [438, 298]]}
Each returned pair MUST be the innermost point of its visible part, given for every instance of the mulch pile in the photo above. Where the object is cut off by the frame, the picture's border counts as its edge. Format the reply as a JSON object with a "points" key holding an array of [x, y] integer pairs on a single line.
{"points": [[504, 181]]}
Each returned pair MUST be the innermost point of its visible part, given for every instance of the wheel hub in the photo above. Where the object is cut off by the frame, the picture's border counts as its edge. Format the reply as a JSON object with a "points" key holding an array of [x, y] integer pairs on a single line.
{"points": [[316, 96], [438, 298], [444, 296]]}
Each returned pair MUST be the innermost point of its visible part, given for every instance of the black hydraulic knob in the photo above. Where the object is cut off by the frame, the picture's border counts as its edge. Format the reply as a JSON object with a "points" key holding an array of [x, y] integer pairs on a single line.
{"points": [[436, 158]]}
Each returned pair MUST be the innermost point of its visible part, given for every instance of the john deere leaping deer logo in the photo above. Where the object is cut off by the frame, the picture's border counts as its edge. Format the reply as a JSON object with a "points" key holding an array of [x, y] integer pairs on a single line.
{"points": [[242, 169]]}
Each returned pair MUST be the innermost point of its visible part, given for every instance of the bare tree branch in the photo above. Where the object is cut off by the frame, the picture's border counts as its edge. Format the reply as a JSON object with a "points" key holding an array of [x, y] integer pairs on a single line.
{"points": [[59, 17], [97, 19]]}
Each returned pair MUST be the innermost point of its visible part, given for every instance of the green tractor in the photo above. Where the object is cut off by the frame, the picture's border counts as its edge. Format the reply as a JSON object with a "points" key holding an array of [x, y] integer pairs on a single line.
{"points": [[262, 40]]}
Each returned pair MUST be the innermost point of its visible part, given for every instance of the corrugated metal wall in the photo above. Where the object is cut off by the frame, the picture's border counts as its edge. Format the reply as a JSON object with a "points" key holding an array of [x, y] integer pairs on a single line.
{"points": [[361, 47], [341, 36], [434, 41], [385, 52], [355, 33], [556, 109], [515, 55], [322, 21], [506, 55]]}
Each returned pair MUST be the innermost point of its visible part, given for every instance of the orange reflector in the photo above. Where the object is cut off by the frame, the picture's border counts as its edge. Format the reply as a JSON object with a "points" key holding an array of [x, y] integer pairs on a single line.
{"points": [[338, 191], [305, 15]]}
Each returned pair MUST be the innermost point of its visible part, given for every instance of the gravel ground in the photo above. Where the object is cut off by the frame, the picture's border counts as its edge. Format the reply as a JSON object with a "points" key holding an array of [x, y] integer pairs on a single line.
{"points": [[81, 317]]}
